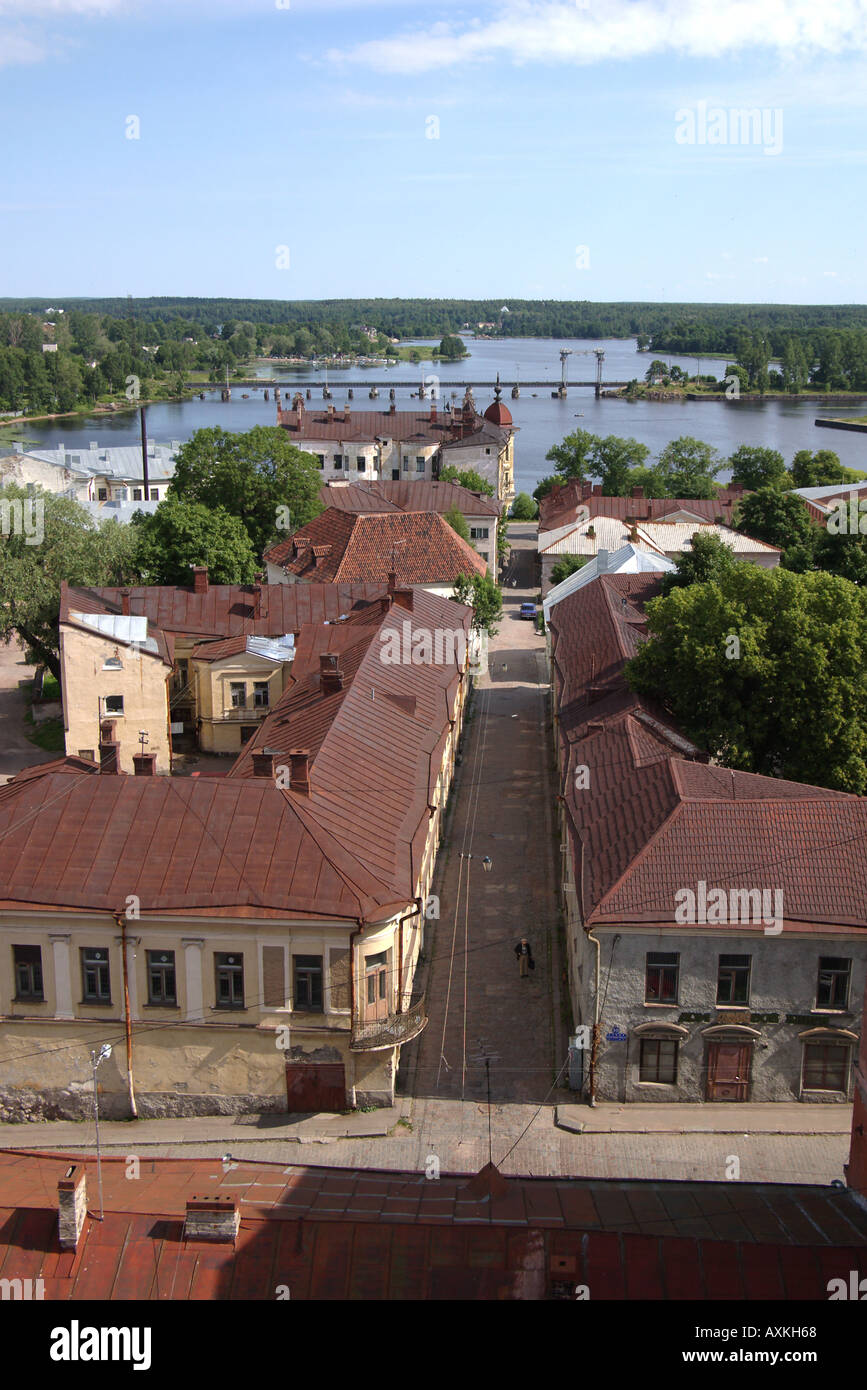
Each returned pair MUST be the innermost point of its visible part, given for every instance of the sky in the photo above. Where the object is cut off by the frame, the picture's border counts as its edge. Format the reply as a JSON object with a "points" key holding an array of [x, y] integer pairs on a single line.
{"points": [[700, 150]]}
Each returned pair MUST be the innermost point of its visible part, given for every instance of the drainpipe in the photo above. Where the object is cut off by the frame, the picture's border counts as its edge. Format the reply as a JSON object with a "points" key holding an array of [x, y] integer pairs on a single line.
{"points": [[352, 935], [414, 913], [594, 1048], [120, 918]]}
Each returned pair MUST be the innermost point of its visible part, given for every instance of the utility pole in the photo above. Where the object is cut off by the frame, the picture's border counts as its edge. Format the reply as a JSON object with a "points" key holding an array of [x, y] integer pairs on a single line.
{"points": [[144, 456]]}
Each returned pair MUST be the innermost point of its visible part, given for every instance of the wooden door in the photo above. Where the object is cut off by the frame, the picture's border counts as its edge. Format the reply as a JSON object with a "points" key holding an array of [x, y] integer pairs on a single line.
{"points": [[728, 1071], [376, 987], [312, 1087]]}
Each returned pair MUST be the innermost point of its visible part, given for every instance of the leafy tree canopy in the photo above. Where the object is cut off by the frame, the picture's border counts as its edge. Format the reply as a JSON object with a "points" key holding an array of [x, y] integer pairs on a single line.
{"points": [[764, 669], [181, 534], [572, 456], [821, 468], [708, 559], [468, 478], [755, 466], [480, 592], [524, 508], [778, 518], [457, 521], [568, 565]]}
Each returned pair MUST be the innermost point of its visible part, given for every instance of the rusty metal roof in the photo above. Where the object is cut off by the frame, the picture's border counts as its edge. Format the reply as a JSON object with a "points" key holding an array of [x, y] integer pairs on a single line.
{"points": [[407, 495], [420, 546]]}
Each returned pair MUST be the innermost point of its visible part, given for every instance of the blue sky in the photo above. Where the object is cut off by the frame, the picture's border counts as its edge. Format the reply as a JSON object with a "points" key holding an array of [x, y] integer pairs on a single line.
{"points": [[569, 161]]}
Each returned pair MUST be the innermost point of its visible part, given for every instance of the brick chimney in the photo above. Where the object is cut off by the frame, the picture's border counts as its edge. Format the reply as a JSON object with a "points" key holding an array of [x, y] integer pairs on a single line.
{"points": [[212, 1218], [263, 763], [108, 748], [586, 491], [71, 1206], [200, 579], [403, 599], [299, 770], [392, 408], [330, 675], [385, 602], [637, 492], [144, 764], [347, 410], [331, 411], [433, 412], [392, 581], [124, 602]]}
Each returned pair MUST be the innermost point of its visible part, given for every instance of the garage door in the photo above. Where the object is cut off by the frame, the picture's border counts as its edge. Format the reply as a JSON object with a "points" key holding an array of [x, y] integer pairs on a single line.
{"points": [[315, 1086]]}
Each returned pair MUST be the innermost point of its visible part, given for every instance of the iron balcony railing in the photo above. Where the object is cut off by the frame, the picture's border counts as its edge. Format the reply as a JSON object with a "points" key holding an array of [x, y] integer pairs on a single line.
{"points": [[245, 712], [390, 1031]]}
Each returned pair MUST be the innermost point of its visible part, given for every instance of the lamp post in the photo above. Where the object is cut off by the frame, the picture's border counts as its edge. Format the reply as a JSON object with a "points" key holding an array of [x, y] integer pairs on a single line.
{"points": [[95, 1058]]}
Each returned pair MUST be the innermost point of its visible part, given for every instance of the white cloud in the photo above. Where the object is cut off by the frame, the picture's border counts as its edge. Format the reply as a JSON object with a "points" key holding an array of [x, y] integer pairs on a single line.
{"points": [[760, 260], [552, 31], [17, 48]]}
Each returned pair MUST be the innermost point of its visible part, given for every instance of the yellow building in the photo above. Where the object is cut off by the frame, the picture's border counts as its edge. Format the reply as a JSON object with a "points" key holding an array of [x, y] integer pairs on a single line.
{"points": [[254, 937]]}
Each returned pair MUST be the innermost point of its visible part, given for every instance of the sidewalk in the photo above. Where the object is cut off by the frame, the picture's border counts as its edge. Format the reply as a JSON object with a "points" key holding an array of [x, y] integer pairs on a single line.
{"points": [[721, 1118]]}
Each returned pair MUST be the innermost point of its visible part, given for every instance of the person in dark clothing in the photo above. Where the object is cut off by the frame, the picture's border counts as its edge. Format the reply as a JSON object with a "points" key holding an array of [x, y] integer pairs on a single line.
{"points": [[525, 957]]}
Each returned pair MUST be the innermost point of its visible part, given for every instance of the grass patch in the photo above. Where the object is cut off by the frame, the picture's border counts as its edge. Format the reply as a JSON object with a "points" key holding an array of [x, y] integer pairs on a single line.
{"points": [[50, 687], [48, 736]]}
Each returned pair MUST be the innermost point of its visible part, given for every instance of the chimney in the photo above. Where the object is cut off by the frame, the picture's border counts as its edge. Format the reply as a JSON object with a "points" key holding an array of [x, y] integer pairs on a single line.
{"points": [[200, 579], [263, 763], [385, 602], [212, 1218], [433, 412], [586, 491], [93, 446], [331, 411], [392, 581], [602, 562], [330, 675], [403, 599], [144, 764], [299, 770], [392, 409], [124, 602], [71, 1206], [347, 410], [637, 492], [257, 600], [108, 748]]}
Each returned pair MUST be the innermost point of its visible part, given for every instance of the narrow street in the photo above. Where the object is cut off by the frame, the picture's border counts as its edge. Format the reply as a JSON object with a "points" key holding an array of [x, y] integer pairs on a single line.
{"points": [[477, 1003], [16, 750]]}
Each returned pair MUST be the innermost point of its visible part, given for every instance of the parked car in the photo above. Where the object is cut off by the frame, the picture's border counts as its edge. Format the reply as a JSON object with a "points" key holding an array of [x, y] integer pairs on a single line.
{"points": [[528, 610]]}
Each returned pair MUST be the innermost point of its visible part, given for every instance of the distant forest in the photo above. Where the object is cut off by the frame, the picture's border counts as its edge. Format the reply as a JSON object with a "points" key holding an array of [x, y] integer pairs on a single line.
{"points": [[170, 345]]}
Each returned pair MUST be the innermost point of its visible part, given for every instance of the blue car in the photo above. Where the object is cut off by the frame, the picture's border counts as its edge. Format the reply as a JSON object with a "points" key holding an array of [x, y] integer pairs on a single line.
{"points": [[528, 610]]}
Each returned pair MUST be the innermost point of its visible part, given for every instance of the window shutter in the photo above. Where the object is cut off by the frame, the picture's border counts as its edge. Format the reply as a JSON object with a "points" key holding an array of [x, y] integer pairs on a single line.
{"points": [[273, 986], [339, 979]]}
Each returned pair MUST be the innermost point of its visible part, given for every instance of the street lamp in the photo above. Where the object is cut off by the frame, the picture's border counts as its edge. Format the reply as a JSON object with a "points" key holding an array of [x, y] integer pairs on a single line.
{"points": [[95, 1058]]}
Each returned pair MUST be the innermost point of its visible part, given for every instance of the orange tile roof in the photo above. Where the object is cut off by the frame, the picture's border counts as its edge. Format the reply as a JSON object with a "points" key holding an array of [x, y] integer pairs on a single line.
{"points": [[420, 546]]}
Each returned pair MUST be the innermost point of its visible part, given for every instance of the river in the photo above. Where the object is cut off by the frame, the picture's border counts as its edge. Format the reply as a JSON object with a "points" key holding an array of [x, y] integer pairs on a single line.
{"points": [[784, 425]]}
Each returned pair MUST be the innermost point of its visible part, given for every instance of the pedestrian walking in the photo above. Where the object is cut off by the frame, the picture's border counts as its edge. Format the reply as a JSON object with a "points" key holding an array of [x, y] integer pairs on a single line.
{"points": [[525, 957]]}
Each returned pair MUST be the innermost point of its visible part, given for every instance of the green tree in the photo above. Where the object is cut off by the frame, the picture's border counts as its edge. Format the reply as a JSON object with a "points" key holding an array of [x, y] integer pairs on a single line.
{"points": [[452, 348], [468, 478], [568, 565], [657, 370], [546, 485], [179, 535], [480, 592], [570, 457], [765, 670], [688, 467], [841, 553], [259, 477], [708, 559], [72, 546], [456, 519], [613, 460], [778, 518], [755, 466], [524, 508], [820, 468]]}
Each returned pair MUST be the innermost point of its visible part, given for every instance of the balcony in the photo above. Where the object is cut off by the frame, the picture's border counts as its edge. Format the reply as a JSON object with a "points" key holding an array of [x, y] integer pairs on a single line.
{"points": [[381, 1033]]}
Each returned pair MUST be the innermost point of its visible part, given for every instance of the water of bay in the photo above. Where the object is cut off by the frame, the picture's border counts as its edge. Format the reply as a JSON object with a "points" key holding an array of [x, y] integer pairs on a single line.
{"points": [[541, 421]]}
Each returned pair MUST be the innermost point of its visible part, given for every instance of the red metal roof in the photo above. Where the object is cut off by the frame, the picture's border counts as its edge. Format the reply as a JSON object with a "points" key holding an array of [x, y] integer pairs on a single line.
{"points": [[406, 495], [654, 817], [332, 1233], [560, 506], [420, 546]]}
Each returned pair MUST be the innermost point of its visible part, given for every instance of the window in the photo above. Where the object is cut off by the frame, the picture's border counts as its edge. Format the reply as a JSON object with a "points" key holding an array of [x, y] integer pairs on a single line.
{"points": [[360, 463], [261, 697], [113, 704], [230, 980], [28, 972], [405, 466], [487, 451], [479, 533], [321, 458], [95, 976], [733, 981], [155, 494], [826, 1067], [121, 494], [307, 993], [338, 460], [658, 1061], [136, 494], [419, 463], [832, 989], [161, 977], [238, 694], [102, 494], [661, 977]]}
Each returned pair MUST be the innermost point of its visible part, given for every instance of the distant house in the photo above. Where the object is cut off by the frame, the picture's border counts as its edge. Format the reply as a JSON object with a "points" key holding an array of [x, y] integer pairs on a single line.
{"points": [[629, 559], [822, 502], [419, 549], [409, 446], [480, 512], [578, 520], [107, 482], [706, 961]]}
